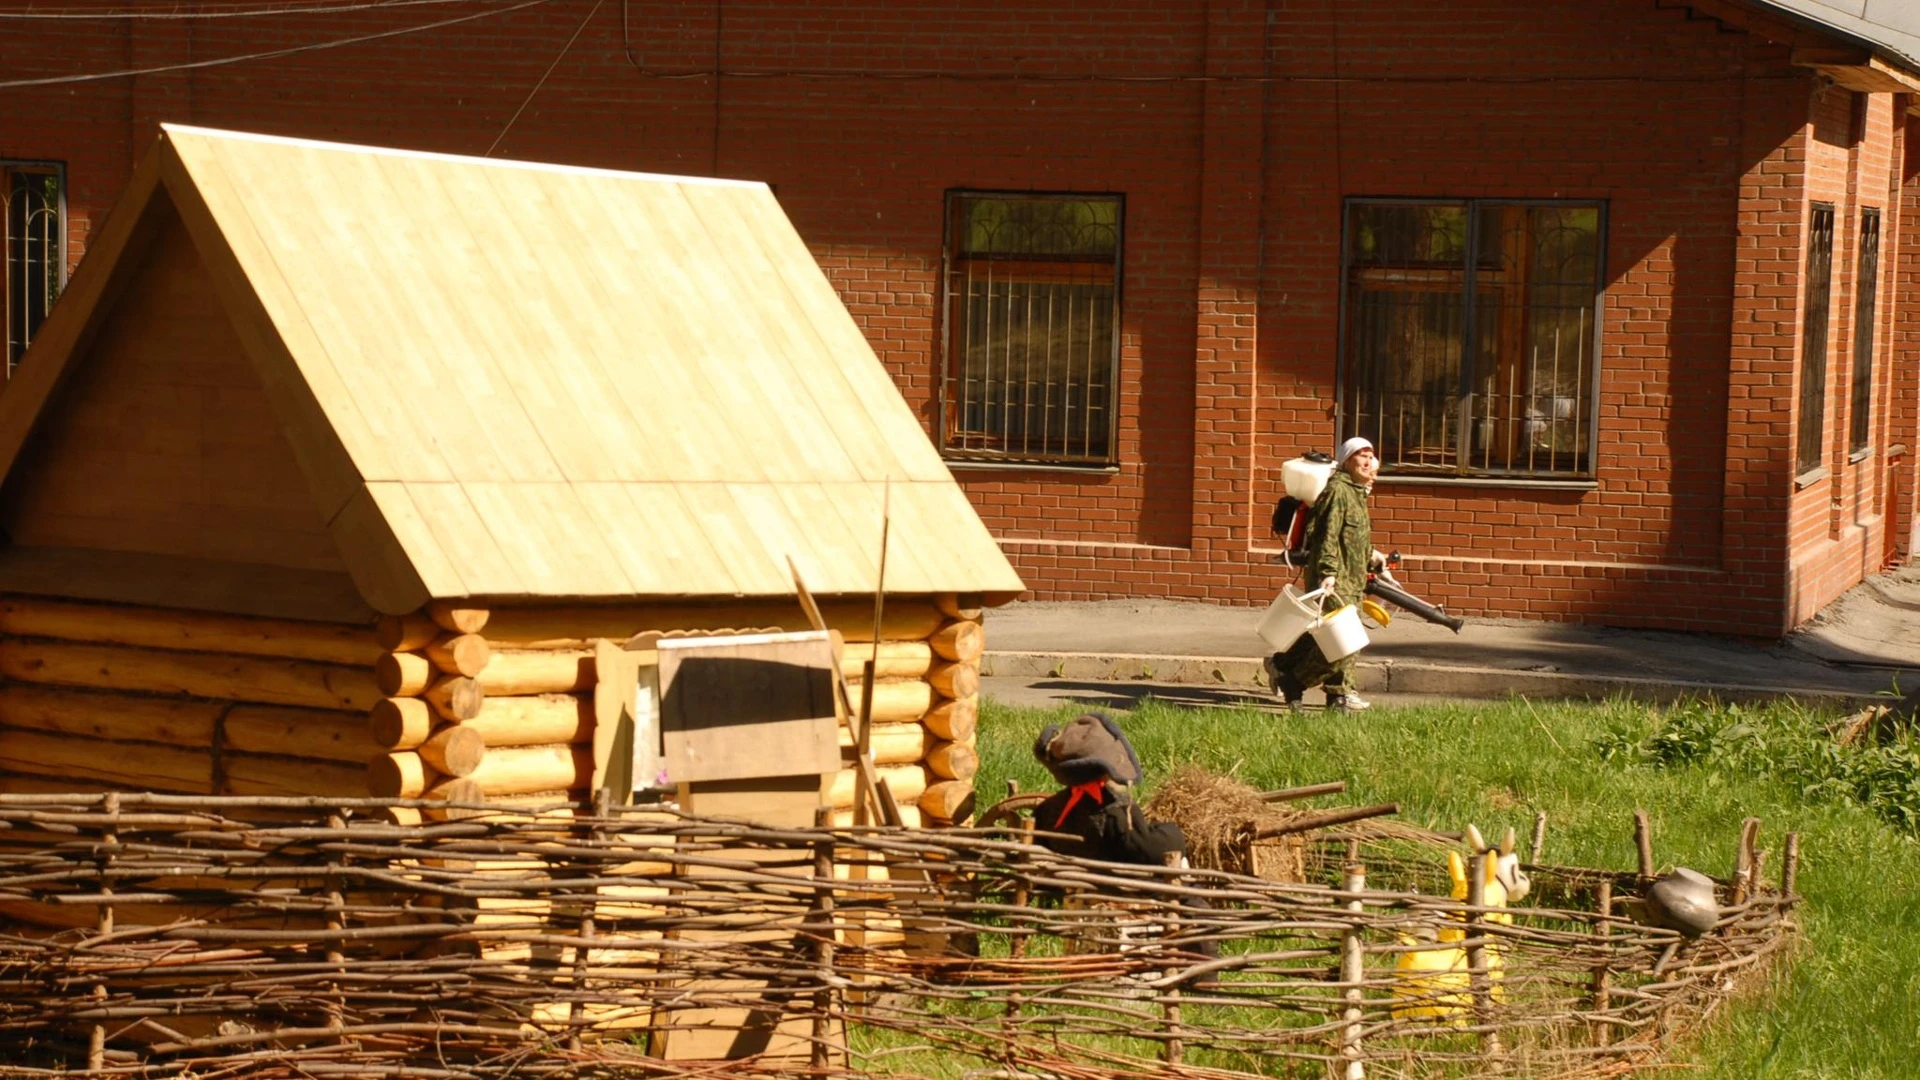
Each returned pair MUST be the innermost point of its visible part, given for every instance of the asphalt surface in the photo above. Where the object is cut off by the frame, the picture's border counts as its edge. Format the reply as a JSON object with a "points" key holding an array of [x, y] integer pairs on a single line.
{"points": [[1863, 646]]}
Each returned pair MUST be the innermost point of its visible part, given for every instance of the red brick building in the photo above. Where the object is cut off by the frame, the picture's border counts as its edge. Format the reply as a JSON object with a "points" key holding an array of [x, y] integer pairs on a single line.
{"points": [[1627, 291]]}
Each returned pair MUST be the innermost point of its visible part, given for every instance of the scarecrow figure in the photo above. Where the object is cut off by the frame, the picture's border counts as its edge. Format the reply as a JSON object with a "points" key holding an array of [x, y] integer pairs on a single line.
{"points": [[1096, 765]]}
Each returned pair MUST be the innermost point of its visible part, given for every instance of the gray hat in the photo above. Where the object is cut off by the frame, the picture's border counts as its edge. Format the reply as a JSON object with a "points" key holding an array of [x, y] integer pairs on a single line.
{"points": [[1090, 747]]}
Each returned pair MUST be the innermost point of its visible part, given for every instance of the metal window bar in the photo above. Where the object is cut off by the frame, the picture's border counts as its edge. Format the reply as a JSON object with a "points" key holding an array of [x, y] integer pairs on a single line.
{"points": [[1470, 335], [1033, 330], [1813, 345], [32, 213], [1866, 296]]}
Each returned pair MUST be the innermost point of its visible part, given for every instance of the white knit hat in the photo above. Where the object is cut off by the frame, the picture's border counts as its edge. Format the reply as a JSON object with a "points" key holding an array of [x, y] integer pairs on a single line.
{"points": [[1349, 448]]}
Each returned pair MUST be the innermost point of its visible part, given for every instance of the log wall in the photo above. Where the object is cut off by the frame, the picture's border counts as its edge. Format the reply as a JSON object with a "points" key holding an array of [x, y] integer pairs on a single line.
{"points": [[520, 680], [452, 702], [106, 696]]}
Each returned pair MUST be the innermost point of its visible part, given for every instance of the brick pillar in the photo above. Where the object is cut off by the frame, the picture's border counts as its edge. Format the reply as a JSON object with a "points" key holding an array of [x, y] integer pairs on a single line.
{"points": [[164, 96], [1227, 299], [1903, 345], [1771, 216]]}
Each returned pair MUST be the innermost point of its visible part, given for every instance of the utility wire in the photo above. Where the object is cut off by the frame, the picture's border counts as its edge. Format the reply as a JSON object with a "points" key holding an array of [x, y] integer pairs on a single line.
{"points": [[564, 49], [55, 80], [235, 12]]}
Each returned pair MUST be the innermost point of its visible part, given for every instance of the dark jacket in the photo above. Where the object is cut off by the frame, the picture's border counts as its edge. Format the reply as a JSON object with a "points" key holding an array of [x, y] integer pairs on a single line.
{"points": [[1111, 829]]}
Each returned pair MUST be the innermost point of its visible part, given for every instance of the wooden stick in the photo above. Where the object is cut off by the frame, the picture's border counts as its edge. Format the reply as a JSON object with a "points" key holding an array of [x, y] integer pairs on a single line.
{"points": [[1790, 870], [1332, 787], [1602, 994], [1643, 841], [1321, 819], [822, 916], [1477, 970], [1539, 843], [1353, 974]]}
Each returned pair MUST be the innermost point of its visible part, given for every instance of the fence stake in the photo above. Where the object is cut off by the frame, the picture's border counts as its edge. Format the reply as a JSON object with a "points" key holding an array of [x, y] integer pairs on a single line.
{"points": [[1602, 972], [109, 838], [1478, 956], [1743, 860], [823, 947], [1643, 840], [336, 921], [1789, 871], [1539, 837], [1353, 973]]}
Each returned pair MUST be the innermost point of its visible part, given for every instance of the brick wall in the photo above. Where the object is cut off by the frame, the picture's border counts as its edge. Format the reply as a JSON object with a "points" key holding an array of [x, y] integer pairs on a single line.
{"points": [[1234, 129]]}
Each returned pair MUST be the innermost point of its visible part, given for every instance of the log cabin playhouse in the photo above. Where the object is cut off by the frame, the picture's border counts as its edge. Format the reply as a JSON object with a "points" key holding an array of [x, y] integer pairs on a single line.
{"points": [[339, 471]]}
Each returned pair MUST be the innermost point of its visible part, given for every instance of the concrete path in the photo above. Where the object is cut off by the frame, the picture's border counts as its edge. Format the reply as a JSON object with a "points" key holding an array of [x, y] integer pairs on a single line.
{"points": [[1853, 651]]}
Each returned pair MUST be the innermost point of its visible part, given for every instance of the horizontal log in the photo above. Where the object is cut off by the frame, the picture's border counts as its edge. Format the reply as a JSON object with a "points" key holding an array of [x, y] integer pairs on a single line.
{"points": [[460, 654], [946, 799], [398, 775], [910, 816], [574, 628], [456, 697], [407, 633], [955, 681], [403, 674], [523, 672], [130, 766], [954, 720], [895, 659], [192, 631], [514, 770], [534, 721], [959, 641], [21, 783], [967, 606], [953, 761], [895, 700], [207, 675], [325, 735], [100, 714], [894, 744], [458, 616], [455, 750], [400, 723], [907, 782], [251, 774]]}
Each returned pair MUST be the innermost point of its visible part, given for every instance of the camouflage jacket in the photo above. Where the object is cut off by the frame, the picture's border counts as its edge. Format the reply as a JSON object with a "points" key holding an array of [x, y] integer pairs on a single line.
{"points": [[1340, 539]]}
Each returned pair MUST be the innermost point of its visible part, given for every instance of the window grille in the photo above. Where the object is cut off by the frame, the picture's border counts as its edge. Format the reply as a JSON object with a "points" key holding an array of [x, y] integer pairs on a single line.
{"points": [[1866, 293], [1470, 335], [1813, 342], [1032, 312], [33, 207]]}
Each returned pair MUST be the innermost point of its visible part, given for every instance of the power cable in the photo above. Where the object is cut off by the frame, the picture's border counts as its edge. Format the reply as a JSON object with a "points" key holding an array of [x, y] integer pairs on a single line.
{"points": [[271, 54], [236, 12], [564, 49]]}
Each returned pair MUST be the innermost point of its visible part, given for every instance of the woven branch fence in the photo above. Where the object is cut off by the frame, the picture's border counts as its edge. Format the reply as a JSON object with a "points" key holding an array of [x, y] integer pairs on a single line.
{"points": [[204, 937]]}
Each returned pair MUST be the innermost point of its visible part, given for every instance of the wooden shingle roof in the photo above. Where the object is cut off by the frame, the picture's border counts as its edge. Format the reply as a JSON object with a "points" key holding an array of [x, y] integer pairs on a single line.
{"points": [[514, 380]]}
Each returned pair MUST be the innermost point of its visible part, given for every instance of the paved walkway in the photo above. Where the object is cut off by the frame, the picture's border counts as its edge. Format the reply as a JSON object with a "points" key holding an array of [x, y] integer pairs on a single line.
{"points": [[1859, 647]]}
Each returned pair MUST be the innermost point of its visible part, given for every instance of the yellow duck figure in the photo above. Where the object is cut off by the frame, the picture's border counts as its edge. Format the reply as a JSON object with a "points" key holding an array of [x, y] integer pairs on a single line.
{"points": [[1433, 981]]}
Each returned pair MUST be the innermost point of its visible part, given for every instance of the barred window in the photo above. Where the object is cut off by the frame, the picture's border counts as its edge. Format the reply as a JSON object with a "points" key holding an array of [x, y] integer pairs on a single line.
{"points": [[1866, 292], [1032, 316], [1470, 335], [33, 220], [1813, 341]]}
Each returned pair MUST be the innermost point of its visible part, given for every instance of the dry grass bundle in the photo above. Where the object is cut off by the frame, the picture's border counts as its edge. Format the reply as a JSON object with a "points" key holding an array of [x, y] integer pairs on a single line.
{"points": [[1220, 816]]}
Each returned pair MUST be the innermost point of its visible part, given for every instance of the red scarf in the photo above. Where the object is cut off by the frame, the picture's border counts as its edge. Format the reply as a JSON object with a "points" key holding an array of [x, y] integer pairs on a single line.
{"points": [[1092, 789]]}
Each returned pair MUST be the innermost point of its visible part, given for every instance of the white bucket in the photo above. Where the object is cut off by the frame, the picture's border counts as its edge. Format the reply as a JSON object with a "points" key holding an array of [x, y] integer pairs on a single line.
{"points": [[1340, 634], [1291, 614]]}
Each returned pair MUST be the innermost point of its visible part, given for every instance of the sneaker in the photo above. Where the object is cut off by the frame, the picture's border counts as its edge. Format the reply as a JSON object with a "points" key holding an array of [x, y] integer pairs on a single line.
{"points": [[1347, 701]]}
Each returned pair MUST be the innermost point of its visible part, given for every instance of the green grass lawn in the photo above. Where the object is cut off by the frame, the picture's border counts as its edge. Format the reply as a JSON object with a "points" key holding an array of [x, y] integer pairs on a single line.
{"points": [[1846, 1006]]}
